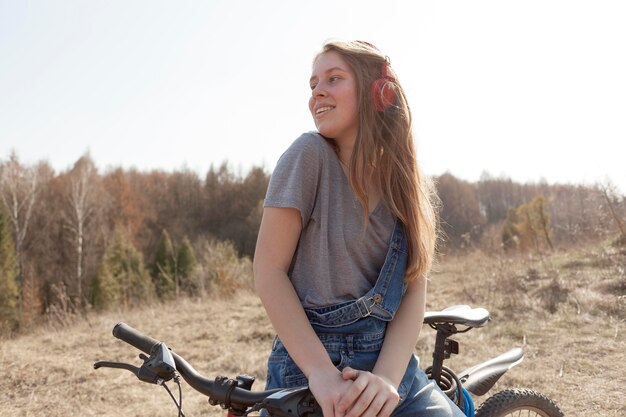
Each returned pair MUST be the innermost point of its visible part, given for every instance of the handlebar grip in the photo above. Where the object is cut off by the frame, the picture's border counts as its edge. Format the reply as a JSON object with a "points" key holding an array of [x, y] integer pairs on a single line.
{"points": [[134, 337]]}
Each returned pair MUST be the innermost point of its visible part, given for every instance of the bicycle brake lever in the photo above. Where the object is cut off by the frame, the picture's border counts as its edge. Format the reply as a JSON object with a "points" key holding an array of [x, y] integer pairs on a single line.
{"points": [[144, 374], [157, 368], [118, 365]]}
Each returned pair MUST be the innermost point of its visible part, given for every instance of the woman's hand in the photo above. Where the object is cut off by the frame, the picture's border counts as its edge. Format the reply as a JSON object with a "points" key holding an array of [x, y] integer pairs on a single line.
{"points": [[328, 386], [369, 395]]}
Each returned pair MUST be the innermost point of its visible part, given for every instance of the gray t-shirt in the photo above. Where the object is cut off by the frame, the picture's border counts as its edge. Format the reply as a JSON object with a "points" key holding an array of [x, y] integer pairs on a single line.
{"points": [[336, 260]]}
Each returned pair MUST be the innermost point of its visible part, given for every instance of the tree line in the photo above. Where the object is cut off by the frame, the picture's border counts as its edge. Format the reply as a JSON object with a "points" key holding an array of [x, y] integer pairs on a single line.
{"points": [[81, 238], [500, 214]]}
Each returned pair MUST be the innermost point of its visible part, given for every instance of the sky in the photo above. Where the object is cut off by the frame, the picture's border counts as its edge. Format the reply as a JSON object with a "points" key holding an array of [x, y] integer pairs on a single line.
{"points": [[528, 90]]}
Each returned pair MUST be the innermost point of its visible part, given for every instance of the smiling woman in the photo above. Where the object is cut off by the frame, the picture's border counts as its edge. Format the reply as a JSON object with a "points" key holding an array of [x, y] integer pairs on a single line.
{"points": [[333, 101], [345, 244]]}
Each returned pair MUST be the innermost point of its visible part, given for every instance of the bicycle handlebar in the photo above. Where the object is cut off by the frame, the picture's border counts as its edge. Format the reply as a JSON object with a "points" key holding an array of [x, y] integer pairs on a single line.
{"points": [[219, 393], [134, 337], [235, 394]]}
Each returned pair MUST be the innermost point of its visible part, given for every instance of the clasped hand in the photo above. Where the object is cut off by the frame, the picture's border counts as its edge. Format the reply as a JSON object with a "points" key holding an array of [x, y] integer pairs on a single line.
{"points": [[353, 393]]}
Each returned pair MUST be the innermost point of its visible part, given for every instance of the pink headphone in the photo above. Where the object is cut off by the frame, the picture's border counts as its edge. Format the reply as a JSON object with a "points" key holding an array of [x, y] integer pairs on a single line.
{"points": [[383, 93]]}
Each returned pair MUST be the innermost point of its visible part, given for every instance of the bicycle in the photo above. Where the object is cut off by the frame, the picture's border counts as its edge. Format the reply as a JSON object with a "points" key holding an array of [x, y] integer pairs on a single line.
{"points": [[236, 395]]}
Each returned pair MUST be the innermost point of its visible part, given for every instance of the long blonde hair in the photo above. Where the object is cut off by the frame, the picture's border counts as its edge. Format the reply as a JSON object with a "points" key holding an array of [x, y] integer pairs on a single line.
{"points": [[384, 152]]}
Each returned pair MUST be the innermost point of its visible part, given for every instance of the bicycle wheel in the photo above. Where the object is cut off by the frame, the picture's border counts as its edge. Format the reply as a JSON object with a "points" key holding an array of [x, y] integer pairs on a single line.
{"points": [[518, 403]]}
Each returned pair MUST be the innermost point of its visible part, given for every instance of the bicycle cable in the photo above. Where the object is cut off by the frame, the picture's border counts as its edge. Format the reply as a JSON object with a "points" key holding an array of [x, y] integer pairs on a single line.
{"points": [[449, 384], [179, 403], [254, 408]]}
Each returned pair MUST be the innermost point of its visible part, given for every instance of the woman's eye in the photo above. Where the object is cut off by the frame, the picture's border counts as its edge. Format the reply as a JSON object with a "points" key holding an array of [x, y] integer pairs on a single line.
{"points": [[333, 78], [313, 86]]}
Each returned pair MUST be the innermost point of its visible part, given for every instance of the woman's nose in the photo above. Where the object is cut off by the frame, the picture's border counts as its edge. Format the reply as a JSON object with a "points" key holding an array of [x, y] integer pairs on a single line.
{"points": [[318, 91]]}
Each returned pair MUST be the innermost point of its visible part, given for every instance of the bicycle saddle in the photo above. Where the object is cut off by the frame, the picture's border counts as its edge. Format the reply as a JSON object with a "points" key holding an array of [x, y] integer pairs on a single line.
{"points": [[461, 314]]}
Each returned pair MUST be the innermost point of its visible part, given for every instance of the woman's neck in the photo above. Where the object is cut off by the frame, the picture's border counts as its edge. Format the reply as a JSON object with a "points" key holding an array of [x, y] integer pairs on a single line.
{"points": [[344, 150], [345, 155], [372, 181]]}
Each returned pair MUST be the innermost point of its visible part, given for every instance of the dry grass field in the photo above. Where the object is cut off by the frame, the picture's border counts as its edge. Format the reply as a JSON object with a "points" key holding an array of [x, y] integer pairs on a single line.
{"points": [[567, 310]]}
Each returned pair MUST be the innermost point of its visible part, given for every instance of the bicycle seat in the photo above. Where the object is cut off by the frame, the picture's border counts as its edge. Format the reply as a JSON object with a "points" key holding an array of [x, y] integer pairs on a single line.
{"points": [[460, 314]]}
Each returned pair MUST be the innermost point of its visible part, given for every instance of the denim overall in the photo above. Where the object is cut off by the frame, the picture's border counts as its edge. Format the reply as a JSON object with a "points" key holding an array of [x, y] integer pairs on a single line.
{"points": [[353, 333]]}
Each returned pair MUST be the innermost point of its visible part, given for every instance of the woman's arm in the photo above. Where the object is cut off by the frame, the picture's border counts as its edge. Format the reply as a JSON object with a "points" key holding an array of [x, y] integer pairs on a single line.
{"points": [[378, 389], [277, 241], [402, 334]]}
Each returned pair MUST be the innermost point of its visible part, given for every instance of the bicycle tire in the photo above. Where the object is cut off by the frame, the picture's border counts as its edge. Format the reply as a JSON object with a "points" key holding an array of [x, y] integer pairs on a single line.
{"points": [[518, 402]]}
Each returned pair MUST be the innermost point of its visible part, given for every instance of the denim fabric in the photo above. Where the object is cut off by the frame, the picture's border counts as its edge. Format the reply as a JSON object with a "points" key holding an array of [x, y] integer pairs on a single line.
{"points": [[353, 333]]}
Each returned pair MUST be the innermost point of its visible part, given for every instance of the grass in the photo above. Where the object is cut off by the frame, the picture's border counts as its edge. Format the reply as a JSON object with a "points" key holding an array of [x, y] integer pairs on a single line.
{"points": [[566, 309]]}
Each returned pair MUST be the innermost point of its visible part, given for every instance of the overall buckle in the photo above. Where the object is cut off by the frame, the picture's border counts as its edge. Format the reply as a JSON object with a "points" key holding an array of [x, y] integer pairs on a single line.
{"points": [[366, 304]]}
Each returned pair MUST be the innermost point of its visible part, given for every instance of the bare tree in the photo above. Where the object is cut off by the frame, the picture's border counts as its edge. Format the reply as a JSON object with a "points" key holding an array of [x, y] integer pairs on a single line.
{"points": [[461, 217], [609, 192], [19, 187], [82, 194]]}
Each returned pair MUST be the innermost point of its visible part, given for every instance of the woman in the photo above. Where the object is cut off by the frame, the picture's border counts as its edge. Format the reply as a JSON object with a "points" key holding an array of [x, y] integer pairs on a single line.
{"points": [[345, 243]]}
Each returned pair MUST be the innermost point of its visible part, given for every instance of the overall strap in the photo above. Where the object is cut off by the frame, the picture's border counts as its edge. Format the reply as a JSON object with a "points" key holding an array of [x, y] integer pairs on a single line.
{"points": [[382, 301]]}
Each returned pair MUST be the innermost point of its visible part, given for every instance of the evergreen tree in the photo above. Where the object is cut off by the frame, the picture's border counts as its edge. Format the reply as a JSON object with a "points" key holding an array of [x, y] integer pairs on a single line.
{"points": [[9, 317], [134, 278], [122, 277], [186, 263], [106, 289], [164, 268]]}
